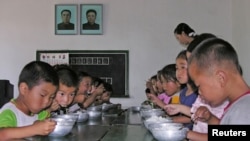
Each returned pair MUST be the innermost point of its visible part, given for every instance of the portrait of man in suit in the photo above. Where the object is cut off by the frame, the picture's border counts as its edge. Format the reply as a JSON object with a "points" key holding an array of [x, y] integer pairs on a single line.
{"points": [[91, 21], [65, 24]]}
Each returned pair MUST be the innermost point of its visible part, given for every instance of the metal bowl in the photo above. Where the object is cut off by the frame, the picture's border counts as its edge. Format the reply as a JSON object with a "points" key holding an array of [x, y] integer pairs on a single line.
{"points": [[106, 107], [146, 107], [156, 119], [94, 114], [147, 113], [95, 108], [72, 116], [168, 131], [82, 116], [63, 126], [136, 108]]}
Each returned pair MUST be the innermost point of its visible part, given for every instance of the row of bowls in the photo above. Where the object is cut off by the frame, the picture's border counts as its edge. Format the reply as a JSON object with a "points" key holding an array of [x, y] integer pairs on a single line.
{"points": [[93, 112], [96, 111], [66, 122], [104, 107], [160, 125]]}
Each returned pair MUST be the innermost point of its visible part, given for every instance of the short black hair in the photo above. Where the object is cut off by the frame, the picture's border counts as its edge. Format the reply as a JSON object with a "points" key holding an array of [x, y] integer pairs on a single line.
{"points": [[182, 55], [214, 52], [66, 10], [67, 76], [169, 72], [154, 77], [108, 87], [97, 81], [82, 74], [37, 71], [198, 40], [91, 10]]}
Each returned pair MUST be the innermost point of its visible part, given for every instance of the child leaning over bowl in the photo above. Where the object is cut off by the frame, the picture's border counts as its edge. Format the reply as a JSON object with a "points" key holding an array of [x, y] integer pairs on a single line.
{"points": [[220, 61], [170, 85], [24, 116], [84, 88], [105, 97], [151, 85], [161, 94], [96, 91], [68, 84], [89, 88]]}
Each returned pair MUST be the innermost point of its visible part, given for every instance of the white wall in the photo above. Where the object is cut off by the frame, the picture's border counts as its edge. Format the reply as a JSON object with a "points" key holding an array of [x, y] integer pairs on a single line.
{"points": [[144, 27], [241, 34]]}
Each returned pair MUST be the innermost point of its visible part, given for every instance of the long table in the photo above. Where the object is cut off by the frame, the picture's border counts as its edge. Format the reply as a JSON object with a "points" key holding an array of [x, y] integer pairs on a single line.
{"points": [[126, 126]]}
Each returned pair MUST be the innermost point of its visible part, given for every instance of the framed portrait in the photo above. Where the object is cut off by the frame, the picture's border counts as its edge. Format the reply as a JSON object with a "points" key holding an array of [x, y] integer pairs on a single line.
{"points": [[66, 19], [91, 19]]}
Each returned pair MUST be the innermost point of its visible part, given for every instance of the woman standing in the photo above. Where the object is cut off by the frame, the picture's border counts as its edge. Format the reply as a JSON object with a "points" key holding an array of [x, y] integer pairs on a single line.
{"points": [[184, 34]]}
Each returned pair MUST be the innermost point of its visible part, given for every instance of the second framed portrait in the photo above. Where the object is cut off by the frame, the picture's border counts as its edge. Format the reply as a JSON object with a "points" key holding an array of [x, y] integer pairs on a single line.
{"points": [[91, 19], [65, 19]]}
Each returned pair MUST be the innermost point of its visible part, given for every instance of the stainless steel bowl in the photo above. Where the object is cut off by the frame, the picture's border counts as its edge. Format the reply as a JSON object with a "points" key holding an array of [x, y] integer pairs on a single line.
{"points": [[156, 119], [95, 108], [136, 108], [63, 126], [94, 114], [106, 107], [72, 116], [145, 107], [82, 116], [168, 131], [147, 113]]}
